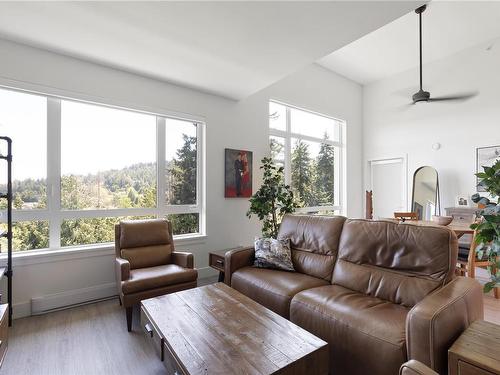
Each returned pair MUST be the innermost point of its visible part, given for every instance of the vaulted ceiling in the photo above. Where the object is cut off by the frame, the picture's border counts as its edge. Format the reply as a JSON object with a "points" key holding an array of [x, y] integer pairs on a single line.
{"points": [[232, 49], [448, 27]]}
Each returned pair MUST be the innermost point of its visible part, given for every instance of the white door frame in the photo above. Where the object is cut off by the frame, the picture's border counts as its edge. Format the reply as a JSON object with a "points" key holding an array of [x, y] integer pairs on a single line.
{"points": [[390, 160]]}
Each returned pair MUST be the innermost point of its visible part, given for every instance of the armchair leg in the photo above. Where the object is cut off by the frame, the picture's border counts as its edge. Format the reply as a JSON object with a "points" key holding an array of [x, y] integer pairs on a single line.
{"points": [[128, 311], [120, 300]]}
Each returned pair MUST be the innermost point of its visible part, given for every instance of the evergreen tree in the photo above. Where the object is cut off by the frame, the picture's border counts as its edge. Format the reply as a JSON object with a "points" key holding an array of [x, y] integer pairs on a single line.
{"points": [[132, 186], [302, 173], [276, 148], [184, 173], [324, 179]]}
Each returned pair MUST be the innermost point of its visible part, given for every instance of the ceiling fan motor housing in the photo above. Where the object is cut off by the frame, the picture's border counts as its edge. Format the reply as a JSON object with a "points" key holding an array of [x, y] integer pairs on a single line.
{"points": [[421, 96]]}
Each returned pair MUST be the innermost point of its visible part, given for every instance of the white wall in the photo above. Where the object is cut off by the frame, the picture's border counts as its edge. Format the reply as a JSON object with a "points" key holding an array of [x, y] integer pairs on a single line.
{"points": [[393, 128], [230, 124]]}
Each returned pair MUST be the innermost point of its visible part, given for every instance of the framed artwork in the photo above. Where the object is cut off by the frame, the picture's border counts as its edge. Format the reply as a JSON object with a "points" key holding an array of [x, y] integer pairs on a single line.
{"points": [[462, 201], [238, 173], [485, 157]]}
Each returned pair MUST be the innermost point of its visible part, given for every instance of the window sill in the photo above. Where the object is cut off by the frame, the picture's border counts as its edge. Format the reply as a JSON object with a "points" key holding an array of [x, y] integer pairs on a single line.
{"points": [[25, 258]]}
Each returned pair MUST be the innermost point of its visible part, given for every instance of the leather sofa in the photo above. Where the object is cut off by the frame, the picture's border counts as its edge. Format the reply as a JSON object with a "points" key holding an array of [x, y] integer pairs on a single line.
{"points": [[147, 264], [379, 292]]}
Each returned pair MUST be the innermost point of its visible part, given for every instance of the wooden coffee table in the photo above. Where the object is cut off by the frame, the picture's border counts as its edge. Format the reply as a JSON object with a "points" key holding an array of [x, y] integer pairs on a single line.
{"points": [[214, 329]]}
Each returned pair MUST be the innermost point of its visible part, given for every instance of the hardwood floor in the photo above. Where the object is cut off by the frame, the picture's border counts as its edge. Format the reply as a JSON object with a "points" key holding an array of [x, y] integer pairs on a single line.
{"points": [[87, 340], [93, 339], [90, 339]]}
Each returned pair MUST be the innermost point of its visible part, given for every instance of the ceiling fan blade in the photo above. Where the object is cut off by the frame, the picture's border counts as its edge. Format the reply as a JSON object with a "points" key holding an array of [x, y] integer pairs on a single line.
{"points": [[459, 97]]}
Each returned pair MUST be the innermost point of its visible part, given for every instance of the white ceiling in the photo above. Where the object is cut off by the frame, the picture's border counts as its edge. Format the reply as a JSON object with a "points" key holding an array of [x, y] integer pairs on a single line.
{"points": [[448, 27], [231, 49]]}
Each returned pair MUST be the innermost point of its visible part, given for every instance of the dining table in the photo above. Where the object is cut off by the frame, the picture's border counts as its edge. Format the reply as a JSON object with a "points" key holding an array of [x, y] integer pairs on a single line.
{"points": [[459, 228]]}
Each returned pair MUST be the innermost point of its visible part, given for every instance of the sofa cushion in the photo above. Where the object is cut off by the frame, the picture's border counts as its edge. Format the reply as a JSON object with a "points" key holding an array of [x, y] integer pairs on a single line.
{"points": [[156, 277], [271, 288], [401, 263], [365, 335], [314, 241]]}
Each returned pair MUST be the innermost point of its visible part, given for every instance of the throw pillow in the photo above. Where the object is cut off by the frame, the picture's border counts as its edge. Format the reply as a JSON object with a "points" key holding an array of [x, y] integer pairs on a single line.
{"points": [[272, 253]]}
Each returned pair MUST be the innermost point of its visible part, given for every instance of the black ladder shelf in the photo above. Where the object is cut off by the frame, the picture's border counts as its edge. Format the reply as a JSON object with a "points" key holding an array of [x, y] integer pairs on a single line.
{"points": [[8, 233]]}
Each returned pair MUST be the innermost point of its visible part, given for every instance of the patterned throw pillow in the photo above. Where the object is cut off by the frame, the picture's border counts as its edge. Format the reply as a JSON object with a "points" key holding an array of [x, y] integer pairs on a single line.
{"points": [[271, 253]]}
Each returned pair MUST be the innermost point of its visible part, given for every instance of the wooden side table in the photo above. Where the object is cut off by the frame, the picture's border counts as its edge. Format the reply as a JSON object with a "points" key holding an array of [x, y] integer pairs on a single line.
{"points": [[216, 260], [476, 351]]}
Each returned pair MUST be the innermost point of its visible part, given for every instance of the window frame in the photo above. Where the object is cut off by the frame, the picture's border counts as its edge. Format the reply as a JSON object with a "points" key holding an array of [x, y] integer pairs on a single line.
{"points": [[340, 145], [54, 214]]}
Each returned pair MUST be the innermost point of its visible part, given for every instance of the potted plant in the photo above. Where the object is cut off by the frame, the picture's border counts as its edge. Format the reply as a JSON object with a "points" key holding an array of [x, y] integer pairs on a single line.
{"points": [[488, 230], [273, 200]]}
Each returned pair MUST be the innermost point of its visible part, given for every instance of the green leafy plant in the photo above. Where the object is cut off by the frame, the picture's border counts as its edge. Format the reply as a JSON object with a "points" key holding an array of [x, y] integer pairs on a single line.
{"points": [[273, 200], [488, 230]]}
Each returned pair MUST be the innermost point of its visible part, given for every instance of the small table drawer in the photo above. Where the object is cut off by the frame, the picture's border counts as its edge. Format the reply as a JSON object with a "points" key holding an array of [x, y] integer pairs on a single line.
{"points": [[465, 368], [216, 261], [151, 333]]}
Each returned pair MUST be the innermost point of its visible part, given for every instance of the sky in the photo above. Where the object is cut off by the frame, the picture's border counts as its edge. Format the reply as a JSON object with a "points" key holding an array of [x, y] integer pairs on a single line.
{"points": [[303, 122], [93, 138]]}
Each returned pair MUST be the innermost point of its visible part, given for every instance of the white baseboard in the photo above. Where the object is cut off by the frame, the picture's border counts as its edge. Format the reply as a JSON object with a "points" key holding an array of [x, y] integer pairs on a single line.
{"points": [[40, 305], [21, 310], [51, 302]]}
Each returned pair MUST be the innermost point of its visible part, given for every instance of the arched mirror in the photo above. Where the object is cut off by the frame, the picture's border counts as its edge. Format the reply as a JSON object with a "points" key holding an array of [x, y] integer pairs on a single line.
{"points": [[425, 196]]}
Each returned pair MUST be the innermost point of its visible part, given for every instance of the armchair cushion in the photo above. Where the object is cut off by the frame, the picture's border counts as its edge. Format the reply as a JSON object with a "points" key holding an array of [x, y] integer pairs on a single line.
{"points": [[140, 233], [147, 256], [183, 259], [365, 335], [436, 322], [156, 277]]}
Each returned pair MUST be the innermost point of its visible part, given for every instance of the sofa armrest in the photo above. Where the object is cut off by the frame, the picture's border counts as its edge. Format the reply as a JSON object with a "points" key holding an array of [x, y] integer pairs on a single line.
{"points": [[183, 259], [122, 269], [433, 324], [236, 259], [413, 367]]}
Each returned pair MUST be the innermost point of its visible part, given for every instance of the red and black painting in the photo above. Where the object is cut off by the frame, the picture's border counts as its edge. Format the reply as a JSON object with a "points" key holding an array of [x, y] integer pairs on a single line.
{"points": [[238, 174]]}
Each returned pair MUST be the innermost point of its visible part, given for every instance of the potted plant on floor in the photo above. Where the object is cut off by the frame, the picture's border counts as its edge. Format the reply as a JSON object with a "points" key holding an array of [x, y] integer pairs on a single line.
{"points": [[273, 200], [488, 230]]}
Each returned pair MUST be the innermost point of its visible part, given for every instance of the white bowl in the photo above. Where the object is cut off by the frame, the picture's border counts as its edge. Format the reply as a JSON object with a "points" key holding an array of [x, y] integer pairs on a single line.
{"points": [[442, 220]]}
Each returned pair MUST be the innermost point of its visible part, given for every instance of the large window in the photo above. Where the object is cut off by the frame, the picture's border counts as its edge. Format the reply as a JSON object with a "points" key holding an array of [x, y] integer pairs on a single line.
{"points": [[80, 168], [309, 147]]}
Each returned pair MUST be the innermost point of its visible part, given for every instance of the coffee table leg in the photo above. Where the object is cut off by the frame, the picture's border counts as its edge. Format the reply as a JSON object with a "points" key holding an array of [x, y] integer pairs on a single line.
{"points": [[221, 276]]}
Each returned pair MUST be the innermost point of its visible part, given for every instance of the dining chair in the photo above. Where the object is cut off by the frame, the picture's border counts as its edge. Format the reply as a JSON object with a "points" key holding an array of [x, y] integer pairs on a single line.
{"points": [[468, 261]]}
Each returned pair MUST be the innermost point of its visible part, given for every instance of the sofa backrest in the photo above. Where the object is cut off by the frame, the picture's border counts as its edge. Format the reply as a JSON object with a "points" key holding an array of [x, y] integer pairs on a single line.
{"points": [[314, 241], [144, 243], [397, 262]]}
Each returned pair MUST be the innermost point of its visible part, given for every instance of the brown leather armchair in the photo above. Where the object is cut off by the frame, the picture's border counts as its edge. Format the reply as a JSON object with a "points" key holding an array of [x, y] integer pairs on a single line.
{"points": [[147, 264]]}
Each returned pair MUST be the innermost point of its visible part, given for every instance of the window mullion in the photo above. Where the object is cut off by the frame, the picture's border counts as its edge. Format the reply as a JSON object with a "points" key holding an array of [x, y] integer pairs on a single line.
{"points": [[288, 149], [54, 171], [200, 177], [161, 165]]}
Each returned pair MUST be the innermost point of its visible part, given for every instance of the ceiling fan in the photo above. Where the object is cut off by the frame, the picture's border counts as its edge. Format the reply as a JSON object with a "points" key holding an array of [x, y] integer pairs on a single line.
{"points": [[425, 96]]}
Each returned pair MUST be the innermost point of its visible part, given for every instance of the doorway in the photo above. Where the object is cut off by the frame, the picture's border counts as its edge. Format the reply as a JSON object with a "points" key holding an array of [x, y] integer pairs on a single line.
{"points": [[388, 182]]}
